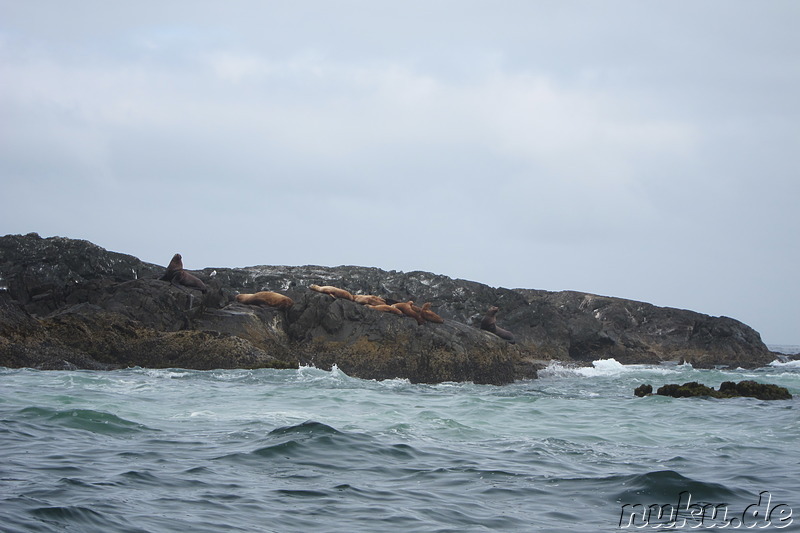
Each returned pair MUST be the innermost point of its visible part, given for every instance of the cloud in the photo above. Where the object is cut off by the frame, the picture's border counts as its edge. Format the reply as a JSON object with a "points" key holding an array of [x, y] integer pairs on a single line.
{"points": [[628, 149]]}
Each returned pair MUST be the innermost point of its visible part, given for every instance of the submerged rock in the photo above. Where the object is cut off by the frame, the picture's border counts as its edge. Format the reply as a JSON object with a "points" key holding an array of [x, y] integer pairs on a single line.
{"points": [[69, 303], [727, 389]]}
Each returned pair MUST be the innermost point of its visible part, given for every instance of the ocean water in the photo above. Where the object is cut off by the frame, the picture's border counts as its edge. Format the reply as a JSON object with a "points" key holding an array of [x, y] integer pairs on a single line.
{"points": [[142, 450]]}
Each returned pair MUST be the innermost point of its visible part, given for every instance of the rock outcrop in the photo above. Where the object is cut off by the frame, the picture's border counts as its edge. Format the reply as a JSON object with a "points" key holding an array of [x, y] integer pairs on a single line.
{"points": [[727, 389], [68, 303]]}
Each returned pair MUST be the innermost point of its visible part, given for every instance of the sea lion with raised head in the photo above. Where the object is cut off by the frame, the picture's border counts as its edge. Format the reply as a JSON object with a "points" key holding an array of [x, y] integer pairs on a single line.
{"points": [[268, 298], [409, 309], [386, 308], [175, 264], [177, 275], [334, 292], [489, 323], [429, 315], [368, 299]]}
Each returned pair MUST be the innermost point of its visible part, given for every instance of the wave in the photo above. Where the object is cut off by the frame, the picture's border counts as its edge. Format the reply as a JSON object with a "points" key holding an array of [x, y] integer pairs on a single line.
{"points": [[84, 419], [788, 364], [665, 485], [607, 367]]}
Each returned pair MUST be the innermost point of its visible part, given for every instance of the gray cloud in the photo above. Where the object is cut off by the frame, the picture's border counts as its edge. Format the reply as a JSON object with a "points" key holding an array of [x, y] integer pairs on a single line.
{"points": [[643, 150]]}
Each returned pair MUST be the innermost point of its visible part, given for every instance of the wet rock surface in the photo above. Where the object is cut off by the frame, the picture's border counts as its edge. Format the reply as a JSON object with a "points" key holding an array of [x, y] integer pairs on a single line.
{"points": [[727, 389], [69, 303]]}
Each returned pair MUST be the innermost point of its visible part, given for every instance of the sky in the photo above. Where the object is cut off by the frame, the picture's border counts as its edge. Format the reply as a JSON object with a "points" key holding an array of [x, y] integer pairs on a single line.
{"points": [[644, 150]]}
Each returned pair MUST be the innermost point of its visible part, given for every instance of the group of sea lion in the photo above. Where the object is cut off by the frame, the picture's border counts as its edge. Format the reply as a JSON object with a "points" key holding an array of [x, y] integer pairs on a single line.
{"points": [[178, 276], [420, 314]]}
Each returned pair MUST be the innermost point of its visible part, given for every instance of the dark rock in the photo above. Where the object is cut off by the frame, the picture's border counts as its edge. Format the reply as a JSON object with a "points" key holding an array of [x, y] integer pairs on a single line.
{"points": [[643, 390], [69, 300], [42, 273], [727, 389], [752, 389], [599, 327], [686, 390], [371, 344]]}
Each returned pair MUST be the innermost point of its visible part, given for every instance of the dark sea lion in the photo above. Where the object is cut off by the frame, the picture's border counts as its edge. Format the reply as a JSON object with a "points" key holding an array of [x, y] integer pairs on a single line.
{"points": [[335, 292], [409, 309], [368, 299], [182, 277], [386, 308], [268, 298], [429, 315], [174, 266], [178, 276], [489, 323]]}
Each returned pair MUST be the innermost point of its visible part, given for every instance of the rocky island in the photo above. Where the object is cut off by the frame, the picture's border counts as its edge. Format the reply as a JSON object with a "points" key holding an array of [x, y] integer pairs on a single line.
{"points": [[67, 303]]}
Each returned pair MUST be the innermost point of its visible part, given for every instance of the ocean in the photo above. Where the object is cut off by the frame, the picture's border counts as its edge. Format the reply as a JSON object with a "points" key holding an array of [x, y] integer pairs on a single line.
{"points": [[143, 450]]}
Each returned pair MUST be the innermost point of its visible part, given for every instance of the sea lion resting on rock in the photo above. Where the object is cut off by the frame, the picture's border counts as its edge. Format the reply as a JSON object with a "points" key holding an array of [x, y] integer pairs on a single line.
{"points": [[409, 309], [386, 308], [489, 323], [175, 264], [429, 315], [182, 277], [178, 276], [269, 298], [368, 299], [335, 292]]}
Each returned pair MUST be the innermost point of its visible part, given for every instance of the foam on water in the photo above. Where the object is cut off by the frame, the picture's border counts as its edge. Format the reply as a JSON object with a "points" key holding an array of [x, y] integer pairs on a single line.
{"points": [[607, 367], [788, 364]]}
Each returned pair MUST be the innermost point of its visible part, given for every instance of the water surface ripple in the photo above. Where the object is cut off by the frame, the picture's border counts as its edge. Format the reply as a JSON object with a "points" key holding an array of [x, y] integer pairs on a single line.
{"points": [[142, 450]]}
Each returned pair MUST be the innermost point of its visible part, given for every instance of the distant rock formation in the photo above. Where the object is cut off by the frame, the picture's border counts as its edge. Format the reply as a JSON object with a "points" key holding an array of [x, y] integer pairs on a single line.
{"points": [[727, 389], [69, 303]]}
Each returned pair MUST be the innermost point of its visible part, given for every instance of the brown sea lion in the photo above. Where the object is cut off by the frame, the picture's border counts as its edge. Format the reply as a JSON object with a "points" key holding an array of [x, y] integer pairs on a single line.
{"points": [[175, 264], [409, 309], [368, 299], [489, 323], [268, 298], [182, 277], [177, 275], [429, 315], [386, 308], [335, 292]]}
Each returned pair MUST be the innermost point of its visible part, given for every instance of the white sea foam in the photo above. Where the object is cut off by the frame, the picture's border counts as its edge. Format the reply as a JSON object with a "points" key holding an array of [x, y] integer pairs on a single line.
{"points": [[789, 364], [605, 367]]}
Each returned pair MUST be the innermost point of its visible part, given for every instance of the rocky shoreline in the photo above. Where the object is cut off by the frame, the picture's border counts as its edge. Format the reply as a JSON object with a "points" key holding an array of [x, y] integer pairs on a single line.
{"points": [[67, 303]]}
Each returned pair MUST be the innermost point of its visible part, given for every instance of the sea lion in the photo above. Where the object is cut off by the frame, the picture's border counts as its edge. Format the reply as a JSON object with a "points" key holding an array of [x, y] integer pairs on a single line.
{"points": [[177, 275], [386, 308], [181, 277], [489, 323], [429, 315], [268, 298], [409, 309], [335, 292], [368, 299], [175, 264]]}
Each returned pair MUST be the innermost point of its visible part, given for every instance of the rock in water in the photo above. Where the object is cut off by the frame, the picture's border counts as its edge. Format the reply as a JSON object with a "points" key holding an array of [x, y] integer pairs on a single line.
{"points": [[727, 389]]}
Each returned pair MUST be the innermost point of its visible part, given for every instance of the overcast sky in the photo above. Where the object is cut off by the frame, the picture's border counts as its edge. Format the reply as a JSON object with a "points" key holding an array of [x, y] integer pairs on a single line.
{"points": [[646, 150]]}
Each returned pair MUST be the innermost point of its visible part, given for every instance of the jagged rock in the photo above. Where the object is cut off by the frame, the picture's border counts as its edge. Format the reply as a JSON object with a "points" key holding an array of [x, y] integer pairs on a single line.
{"points": [[686, 390], [727, 389], [59, 289], [600, 327], [367, 343], [643, 390], [752, 389]]}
